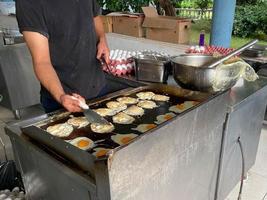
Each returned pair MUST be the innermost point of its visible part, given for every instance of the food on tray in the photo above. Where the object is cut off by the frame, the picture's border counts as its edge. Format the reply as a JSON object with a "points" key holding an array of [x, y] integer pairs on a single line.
{"points": [[127, 100], [179, 108], [102, 128], [145, 95], [164, 118], [83, 143], [147, 104], [159, 97], [60, 130], [79, 122], [123, 139], [116, 106], [105, 112], [134, 111], [100, 152], [145, 127], [123, 118]]}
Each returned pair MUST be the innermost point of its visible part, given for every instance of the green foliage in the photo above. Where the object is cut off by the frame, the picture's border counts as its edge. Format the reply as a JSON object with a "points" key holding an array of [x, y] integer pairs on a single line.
{"points": [[250, 20], [128, 5], [123, 5], [251, 2], [203, 4]]}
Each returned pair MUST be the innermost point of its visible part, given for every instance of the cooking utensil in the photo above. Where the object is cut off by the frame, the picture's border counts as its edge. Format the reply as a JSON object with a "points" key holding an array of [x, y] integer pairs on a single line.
{"points": [[103, 62], [90, 115], [197, 72], [235, 52], [152, 68]]}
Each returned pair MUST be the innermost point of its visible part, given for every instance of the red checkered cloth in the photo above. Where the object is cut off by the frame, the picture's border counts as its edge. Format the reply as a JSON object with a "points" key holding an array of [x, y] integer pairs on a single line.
{"points": [[209, 50]]}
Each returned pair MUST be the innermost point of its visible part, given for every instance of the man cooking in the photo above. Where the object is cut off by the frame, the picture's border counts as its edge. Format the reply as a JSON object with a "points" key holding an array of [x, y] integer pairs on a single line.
{"points": [[66, 39]]}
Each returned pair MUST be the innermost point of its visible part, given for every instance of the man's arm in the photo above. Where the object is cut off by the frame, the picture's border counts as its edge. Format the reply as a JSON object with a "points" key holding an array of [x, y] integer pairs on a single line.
{"points": [[103, 49], [39, 48]]}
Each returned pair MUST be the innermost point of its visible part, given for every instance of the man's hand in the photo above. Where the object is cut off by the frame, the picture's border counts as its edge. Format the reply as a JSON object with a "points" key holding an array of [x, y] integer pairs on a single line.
{"points": [[103, 50], [71, 104]]}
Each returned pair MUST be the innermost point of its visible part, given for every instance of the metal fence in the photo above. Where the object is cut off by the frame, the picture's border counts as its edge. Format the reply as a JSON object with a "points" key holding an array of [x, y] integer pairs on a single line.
{"points": [[194, 13]]}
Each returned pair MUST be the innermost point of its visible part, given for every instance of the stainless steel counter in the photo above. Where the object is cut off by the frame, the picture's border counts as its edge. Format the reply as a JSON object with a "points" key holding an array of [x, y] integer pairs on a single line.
{"points": [[170, 162]]}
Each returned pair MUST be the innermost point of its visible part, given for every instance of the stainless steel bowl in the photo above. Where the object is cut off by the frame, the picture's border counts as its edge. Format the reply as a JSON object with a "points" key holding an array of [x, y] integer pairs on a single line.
{"points": [[189, 72]]}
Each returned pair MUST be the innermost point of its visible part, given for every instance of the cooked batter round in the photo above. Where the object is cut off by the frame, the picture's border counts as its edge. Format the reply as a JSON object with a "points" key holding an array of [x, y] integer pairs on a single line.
{"points": [[159, 97], [102, 128], [127, 100], [116, 106], [105, 112], [79, 122], [134, 111], [147, 104], [123, 118], [60, 130], [145, 95]]}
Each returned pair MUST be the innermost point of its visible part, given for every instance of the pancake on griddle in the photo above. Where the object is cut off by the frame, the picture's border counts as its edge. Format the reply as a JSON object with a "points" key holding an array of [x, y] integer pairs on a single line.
{"points": [[102, 128], [123, 118], [103, 112], [116, 106], [79, 122], [60, 130], [159, 97], [145, 95], [146, 104], [134, 111], [127, 100]]}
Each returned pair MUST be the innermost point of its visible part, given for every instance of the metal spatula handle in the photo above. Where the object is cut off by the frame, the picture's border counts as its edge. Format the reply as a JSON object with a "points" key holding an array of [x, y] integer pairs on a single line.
{"points": [[82, 104], [237, 51]]}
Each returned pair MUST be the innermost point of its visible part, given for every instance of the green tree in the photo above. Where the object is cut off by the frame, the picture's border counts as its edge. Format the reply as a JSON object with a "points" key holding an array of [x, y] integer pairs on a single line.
{"points": [[251, 2], [136, 5]]}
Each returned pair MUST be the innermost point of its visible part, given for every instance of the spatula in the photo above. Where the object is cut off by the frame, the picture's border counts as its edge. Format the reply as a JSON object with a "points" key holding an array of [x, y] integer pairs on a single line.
{"points": [[90, 115]]}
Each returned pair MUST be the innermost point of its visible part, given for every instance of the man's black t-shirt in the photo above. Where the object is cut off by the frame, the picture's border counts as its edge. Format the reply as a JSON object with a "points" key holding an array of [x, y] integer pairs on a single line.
{"points": [[69, 27]]}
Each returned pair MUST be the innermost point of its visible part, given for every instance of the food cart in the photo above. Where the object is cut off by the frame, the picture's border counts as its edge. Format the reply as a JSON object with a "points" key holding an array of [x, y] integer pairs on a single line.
{"points": [[194, 155]]}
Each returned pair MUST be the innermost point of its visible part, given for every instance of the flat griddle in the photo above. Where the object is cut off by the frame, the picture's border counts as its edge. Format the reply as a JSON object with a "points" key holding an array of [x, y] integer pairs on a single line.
{"points": [[85, 159]]}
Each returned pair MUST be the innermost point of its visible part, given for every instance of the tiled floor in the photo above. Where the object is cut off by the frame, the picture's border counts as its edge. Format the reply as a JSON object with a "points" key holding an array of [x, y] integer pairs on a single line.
{"points": [[255, 187]]}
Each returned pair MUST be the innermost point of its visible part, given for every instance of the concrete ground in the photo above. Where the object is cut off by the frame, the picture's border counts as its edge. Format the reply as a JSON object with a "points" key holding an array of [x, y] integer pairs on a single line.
{"points": [[255, 187]]}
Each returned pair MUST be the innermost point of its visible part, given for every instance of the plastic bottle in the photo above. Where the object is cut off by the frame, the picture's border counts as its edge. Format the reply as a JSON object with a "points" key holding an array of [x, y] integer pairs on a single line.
{"points": [[202, 38]]}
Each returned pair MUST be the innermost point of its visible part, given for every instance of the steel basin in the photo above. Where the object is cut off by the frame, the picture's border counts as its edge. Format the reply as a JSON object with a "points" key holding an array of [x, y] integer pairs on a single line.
{"points": [[190, 72]]}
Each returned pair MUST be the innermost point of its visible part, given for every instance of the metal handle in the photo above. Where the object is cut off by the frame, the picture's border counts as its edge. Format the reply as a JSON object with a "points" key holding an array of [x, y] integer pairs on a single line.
{"points": [[81, 103], [237, 51], [103, 62]]}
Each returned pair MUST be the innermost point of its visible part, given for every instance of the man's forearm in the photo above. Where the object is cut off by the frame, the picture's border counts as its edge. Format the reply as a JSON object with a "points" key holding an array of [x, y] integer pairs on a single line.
{"points": [[49, 79], [99, 28]]}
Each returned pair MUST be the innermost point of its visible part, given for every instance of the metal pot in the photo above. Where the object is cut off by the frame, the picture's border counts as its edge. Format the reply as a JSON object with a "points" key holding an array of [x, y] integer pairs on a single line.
{"points": [[189, 72], [152, 68]]}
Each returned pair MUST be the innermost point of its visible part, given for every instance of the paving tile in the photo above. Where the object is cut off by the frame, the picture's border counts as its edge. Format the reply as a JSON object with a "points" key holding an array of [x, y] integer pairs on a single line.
{"points": [[7, 143], [260, 166], [254, 188], [6, 115]]}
